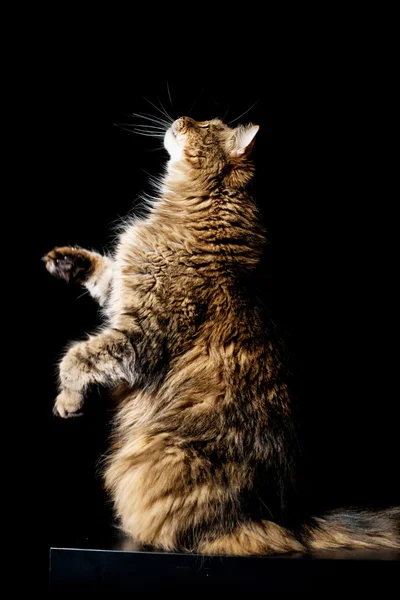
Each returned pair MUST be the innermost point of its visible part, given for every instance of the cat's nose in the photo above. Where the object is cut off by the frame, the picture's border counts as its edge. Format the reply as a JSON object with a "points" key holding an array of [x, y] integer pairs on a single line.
{"points": [[181, 124]]}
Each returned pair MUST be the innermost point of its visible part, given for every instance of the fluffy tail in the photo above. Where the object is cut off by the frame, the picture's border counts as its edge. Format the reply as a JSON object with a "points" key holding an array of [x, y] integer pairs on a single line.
{"points": [[337, 529], [354, 529]]}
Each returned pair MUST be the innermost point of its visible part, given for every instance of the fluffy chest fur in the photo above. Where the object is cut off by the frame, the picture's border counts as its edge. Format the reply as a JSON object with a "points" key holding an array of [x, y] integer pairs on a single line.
{"points": [[170, 269]]}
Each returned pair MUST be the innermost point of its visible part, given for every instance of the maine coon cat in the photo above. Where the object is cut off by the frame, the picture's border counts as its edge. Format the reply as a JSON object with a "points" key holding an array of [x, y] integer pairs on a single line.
{"points": [[202, 456]]}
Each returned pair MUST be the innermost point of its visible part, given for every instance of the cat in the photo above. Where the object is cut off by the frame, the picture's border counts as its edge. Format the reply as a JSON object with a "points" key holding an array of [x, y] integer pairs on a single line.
{"points": [[203, 451]]}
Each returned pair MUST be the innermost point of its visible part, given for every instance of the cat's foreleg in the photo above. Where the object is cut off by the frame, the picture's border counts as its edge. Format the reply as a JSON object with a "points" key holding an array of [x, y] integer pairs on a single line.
{"points": [[107, 359], [77, 265]]}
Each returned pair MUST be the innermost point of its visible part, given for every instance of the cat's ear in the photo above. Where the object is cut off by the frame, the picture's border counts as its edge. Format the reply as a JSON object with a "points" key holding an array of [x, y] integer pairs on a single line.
{"points": [[244, 142]]}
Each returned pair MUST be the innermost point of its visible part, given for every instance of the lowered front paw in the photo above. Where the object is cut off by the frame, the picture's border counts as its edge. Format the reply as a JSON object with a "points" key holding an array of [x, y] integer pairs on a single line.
{"points": [[68, 404], [70, 264]]}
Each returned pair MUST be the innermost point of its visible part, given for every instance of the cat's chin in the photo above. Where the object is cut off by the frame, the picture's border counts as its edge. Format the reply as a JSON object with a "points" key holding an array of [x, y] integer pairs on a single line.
{"points": [[172, 146]]}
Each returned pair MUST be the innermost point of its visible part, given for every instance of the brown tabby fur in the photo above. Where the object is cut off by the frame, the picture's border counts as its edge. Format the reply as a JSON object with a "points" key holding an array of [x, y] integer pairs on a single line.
{"points": [[201, 458]]}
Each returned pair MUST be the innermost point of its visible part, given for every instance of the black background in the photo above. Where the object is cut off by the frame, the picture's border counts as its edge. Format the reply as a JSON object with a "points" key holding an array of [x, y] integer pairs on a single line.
{"points": [[322, 184]]}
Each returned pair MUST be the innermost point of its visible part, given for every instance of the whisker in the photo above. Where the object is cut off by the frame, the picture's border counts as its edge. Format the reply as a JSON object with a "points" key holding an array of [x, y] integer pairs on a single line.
{"points": [[122, 127], [158, 128], [156, 117], [132, 129], [162, 106], [244, 113], [195, 100], [152, 118], [83, 294], [159, 110], [169, 95], [156, 134], [148, 127], [147, 134], [226, 112]]}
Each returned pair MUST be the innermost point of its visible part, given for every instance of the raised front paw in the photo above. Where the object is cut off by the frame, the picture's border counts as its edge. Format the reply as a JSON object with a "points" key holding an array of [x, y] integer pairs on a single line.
{"points": [[68, 404], [70, 264]]}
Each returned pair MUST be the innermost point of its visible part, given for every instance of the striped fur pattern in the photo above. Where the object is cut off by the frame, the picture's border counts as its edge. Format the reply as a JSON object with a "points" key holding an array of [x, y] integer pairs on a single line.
{"points": [[202, 451]]}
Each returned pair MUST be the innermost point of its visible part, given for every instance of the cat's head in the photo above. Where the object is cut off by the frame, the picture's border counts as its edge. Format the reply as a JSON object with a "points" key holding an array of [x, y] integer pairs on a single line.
{"points": [[209, 147]]}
